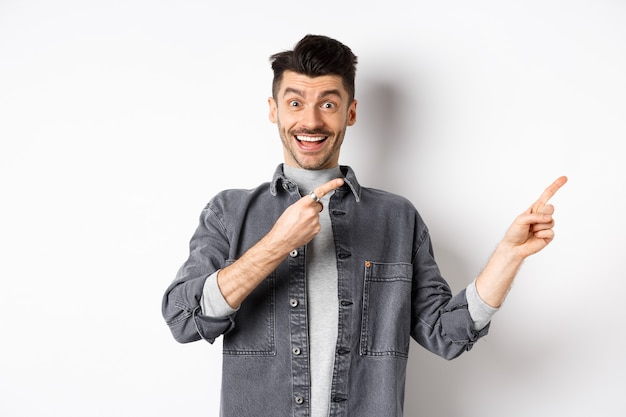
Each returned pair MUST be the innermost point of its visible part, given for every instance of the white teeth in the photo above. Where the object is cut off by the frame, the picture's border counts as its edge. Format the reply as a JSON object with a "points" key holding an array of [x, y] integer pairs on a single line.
{"points": [[310, 138]]}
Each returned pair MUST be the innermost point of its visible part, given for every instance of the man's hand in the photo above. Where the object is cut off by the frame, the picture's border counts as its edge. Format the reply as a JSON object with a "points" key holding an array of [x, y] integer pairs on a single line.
{"points": [[300, 223], [533, 230], [530, 232]]}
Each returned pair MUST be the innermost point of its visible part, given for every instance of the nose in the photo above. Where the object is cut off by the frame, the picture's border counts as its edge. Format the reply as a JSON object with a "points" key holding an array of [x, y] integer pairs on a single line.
{"points": [[312, 118]]}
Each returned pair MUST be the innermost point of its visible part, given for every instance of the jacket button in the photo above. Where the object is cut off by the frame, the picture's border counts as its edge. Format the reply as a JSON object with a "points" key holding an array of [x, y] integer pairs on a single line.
{"points": [[296, 351], [298, 399], [293, 253], [293, 302]]}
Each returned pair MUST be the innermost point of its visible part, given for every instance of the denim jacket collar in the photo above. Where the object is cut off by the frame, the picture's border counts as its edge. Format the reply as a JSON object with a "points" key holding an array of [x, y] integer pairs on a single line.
{"points": [[349, 177]]}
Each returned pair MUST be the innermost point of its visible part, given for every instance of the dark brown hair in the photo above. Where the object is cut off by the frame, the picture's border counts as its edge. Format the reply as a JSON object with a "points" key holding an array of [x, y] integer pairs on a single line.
{"points": [[314, 56]]}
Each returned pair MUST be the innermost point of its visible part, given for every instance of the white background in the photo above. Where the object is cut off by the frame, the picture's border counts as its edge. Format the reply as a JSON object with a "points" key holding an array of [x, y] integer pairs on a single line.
{"points": [[120, 119]]}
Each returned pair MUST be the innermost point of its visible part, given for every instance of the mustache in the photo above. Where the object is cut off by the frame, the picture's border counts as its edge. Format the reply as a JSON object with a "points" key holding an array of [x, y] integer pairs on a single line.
{"points": [[311, 132]]}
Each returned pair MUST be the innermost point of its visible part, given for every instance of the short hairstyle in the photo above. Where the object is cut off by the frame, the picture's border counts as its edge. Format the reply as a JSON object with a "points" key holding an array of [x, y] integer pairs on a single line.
{"points": [[314, 56]]}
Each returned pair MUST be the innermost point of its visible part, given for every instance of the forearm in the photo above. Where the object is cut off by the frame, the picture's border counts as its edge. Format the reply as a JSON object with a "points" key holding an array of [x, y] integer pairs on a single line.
{"points": [[496, 278], [239, 279]]}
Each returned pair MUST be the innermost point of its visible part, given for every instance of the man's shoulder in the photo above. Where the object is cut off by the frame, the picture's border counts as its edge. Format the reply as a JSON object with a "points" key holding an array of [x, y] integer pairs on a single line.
{"points": [[386, 198]]}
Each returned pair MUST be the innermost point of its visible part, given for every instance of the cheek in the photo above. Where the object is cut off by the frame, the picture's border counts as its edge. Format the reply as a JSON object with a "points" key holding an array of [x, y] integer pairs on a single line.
{"points": [[286, 120], [338, 122]]}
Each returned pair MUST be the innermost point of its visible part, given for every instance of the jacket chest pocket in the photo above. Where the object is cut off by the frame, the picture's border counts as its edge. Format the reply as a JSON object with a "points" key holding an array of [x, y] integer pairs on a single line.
{"points": [[386, 320], [254, 332]]}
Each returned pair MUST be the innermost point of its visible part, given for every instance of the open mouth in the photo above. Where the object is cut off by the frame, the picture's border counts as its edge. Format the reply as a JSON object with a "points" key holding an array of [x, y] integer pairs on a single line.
{"points": [[310, 139]]}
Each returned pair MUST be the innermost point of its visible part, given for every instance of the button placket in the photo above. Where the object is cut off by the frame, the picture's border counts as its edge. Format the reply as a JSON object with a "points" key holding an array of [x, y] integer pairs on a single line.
{"points": [[346, 293], [298, 332]]}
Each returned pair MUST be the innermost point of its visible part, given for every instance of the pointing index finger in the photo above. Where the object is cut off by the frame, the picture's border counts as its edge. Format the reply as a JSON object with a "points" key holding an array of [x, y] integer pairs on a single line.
{"points": [[331, 185], [548, 193]]}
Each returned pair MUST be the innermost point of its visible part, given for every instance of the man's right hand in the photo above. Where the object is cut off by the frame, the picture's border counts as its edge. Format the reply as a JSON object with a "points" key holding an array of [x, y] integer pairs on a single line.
{"points": [[300, 222]]}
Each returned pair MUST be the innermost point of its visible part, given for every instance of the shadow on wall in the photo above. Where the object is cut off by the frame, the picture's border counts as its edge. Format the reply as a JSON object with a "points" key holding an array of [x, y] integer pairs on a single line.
{"points": [[383, 148], [379, 137]]}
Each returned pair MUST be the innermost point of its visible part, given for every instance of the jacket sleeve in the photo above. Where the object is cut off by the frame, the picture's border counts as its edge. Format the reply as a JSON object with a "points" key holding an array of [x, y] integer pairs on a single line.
{"points": [[440, 322], [208, 252]]}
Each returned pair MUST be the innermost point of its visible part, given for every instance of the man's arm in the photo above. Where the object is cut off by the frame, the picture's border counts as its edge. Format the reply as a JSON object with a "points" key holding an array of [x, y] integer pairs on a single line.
{"points": [[294, 228], [530, 232]]}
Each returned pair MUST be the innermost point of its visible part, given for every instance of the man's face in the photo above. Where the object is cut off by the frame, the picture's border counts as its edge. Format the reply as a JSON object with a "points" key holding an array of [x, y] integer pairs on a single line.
{"points": [[312, 115]]}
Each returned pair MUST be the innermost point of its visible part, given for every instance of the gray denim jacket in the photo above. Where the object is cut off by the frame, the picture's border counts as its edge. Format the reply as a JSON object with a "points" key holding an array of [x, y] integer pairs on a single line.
{"points": [[389, 290]]}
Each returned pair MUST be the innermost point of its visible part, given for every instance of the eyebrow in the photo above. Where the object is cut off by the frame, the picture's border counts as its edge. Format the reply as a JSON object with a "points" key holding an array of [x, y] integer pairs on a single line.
{"points": [[301, 94]]}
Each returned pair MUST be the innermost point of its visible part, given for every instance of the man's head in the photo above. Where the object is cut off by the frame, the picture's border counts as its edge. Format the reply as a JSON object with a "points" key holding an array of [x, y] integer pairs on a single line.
{"points": [[313, 100]]}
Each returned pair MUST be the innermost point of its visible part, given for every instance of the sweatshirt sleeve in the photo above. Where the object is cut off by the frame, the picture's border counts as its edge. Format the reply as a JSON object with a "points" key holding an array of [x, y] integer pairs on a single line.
{"points": [[213, 302], [480, 311]]}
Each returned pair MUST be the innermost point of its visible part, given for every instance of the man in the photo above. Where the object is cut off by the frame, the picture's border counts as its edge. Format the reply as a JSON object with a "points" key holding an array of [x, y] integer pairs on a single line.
{"points": [[318, 283]]}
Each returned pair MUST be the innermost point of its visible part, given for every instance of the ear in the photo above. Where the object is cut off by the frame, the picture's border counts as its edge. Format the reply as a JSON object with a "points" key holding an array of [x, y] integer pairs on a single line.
{"points": [[273, 109], [352, 113]]}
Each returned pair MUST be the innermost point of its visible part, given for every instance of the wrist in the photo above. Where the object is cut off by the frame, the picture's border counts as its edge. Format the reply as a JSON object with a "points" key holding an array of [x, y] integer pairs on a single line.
{"points": [[509, 253], [273, 246]]}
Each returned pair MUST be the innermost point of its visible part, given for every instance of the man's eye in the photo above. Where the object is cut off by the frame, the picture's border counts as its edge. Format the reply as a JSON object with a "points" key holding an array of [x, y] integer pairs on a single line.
{"points": [[294, 103], [328, 105]]}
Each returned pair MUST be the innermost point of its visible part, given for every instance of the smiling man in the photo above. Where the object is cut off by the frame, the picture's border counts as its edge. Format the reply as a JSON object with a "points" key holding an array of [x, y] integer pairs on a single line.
{"points": [[317, 283], [312, 114]]}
